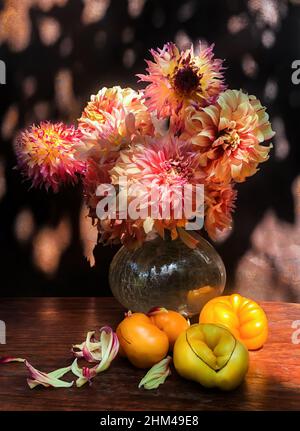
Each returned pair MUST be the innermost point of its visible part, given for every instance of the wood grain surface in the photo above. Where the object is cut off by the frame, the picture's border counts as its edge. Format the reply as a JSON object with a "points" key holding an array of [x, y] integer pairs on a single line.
{"points": [[43, 330]]}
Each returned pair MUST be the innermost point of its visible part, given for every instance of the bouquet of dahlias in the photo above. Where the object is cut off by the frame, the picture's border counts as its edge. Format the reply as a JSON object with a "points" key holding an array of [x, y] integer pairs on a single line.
{"points": [[184, 128]]}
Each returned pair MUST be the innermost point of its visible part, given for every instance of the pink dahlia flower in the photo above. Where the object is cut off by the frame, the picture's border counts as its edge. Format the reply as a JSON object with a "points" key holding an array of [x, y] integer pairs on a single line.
{"points": [[46, 154], [229, 134], [180, 79], [157, 172], [95, 175], [112, 119]]}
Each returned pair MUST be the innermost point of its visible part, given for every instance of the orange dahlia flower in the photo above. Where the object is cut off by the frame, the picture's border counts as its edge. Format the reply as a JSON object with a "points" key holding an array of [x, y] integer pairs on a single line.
{"points": [[229, 135], [219, 204], [127, 232], [179, 79]]}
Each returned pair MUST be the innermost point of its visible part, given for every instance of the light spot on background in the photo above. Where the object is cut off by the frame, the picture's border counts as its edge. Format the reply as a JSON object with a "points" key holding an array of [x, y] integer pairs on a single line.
{"points": [[268, 38], [187, 10], [9, 122], [24, 225], [48, 246], [15, 26], [129, 58], [66, 47], [271, 268], [100, 39], [64, 93], [237, 23], [2, 179], [182, 40], [127, 35], [46, 5], [271, 90], [94, 10], [15, 23], [29, 86], [41, 110], [249, 66], [282, 146], [268, 13], [135, 7], [50, 31]]}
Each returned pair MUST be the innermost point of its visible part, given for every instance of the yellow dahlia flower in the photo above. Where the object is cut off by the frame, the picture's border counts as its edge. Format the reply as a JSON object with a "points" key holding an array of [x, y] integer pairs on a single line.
{"points": [[180, 79], [229, 135]]}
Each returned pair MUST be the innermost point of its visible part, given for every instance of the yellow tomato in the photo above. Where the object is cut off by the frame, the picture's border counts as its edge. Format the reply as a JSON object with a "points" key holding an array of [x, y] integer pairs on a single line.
{"points": [[243, 317], [210, 355], [170, 322], [143, 343]]}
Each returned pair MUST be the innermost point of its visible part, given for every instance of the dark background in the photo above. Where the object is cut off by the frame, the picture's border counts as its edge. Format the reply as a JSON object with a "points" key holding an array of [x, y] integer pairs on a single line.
{"points": [[58, 52]]}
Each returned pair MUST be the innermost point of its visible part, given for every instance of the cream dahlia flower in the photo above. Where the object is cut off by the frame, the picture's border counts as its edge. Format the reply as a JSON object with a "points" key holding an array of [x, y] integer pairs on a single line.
{"points": [[229, 135], [109, 122]]}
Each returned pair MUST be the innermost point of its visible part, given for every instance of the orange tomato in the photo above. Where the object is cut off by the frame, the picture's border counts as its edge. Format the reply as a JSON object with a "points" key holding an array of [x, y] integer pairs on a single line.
{"points": [[170, 322], [243, 317], [143, 343]]}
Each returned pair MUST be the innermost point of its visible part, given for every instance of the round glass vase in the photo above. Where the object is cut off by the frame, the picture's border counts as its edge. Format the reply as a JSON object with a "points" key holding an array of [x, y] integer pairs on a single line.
{"points": [[167, 273]]}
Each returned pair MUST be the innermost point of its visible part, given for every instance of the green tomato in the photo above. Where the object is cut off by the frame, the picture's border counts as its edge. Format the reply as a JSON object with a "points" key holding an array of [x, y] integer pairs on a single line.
{"points": [[210, 355]]}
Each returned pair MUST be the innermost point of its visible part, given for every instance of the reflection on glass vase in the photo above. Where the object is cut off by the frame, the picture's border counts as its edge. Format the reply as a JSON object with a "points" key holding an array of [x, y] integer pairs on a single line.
{"points": [[168, 274]]}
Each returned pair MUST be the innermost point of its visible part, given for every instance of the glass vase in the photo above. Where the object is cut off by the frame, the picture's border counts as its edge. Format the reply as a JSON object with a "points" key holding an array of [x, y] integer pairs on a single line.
{"points": [[167, 273]]}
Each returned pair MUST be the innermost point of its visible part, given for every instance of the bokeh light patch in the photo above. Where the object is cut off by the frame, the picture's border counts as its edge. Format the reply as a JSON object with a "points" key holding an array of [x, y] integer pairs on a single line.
{"points": [[24, 225], [48, 246]]}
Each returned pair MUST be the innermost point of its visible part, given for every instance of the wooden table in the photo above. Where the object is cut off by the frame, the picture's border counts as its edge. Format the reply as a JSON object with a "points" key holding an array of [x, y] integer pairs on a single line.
{"points": [[43, 330]]}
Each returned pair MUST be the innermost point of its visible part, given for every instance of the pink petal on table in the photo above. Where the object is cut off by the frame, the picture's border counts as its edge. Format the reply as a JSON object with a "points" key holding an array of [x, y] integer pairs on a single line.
{"points": [[8, 359], [109, 350], [52, 379], [90, 349]]}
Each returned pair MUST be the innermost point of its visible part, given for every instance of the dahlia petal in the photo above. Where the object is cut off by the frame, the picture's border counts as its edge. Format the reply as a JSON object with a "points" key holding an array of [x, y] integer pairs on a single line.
{"points": [[109, 350], [187, 238], [89, 350], [157, 375], [8, 359], [47, 379]]}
